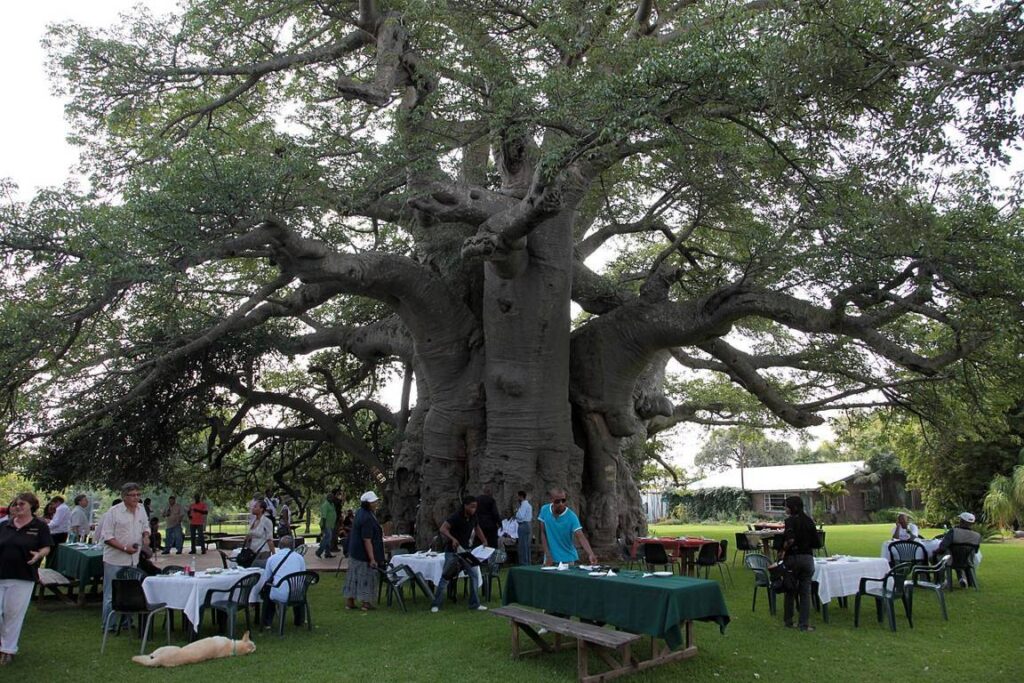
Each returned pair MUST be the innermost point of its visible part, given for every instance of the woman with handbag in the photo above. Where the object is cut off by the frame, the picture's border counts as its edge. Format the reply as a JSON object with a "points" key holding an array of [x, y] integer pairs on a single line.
{"points": [[800, 538], [260, 539]]}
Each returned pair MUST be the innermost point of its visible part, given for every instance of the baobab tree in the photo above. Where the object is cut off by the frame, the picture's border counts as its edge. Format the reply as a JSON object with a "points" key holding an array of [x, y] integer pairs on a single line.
{"points": [[288, 200]]}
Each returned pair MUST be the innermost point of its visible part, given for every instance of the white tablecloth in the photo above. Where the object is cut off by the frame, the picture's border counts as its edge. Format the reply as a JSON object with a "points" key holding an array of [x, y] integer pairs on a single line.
{"points": [[187, 593], [842, 577], [430, 566]]}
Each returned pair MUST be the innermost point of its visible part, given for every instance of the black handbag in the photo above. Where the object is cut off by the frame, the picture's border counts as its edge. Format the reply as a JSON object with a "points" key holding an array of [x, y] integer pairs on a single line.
{"points": [[269, 583], [246, 556], [783, 580]]}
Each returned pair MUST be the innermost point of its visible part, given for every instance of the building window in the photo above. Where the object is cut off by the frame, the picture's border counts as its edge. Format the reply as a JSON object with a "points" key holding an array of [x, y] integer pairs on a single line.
{"points": [[775, 502]]}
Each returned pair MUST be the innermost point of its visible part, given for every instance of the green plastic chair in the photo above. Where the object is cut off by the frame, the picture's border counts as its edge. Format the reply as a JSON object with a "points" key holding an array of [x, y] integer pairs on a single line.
{"points": [[886, 591], [758, 563], [233, 600]]}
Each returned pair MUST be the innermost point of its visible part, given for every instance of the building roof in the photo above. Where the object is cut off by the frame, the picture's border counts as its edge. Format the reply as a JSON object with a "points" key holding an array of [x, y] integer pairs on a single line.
{"points": [[782, 478]]}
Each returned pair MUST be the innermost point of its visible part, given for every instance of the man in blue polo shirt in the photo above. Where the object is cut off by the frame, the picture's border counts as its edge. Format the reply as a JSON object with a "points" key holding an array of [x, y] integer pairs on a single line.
{"points": [[560, 528]]}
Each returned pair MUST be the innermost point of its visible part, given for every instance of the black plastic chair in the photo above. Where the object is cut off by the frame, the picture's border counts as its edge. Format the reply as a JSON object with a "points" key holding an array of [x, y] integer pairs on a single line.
{"points": [[889, 588], [708, 557], [655, 556], [626, 554], [128, 599], [758, 564], [223, 559], [961, 557], [777, 542], [821, 548], [743, 544], [490, 571], [723, 558], [298, 585], [234, 599]]}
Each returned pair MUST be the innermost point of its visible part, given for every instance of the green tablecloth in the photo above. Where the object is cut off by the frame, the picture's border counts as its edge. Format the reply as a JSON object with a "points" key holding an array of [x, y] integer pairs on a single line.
{"points": [[654, 606], [82, 564]]}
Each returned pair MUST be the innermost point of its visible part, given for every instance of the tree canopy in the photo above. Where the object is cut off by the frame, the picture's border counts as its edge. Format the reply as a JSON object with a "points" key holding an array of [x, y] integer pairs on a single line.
{"points": [[290, 202]]}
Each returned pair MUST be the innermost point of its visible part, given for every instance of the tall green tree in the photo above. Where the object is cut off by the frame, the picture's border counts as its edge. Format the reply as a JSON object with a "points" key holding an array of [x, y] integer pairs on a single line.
{"points": [[792, 199]]}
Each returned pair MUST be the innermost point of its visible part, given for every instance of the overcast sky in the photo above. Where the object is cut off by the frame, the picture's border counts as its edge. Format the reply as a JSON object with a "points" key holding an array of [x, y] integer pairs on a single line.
{"points": [[34, 152]]}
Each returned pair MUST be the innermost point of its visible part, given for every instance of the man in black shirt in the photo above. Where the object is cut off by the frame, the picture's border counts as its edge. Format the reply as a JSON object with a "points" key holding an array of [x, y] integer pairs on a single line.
{"points": [[488, 516], [801, 537], [458, 531]]}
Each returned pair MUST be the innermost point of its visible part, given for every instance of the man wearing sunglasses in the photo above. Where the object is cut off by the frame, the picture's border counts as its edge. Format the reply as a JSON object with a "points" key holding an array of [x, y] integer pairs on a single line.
{"points": [[560, 529]]}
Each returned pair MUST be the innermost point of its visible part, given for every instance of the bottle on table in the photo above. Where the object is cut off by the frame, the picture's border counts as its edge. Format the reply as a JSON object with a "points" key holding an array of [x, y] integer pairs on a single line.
{"points": [[192, 566]]}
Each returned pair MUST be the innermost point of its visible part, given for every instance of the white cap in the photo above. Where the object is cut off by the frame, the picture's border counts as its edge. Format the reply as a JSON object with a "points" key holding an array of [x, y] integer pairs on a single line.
{"points": [[369, 497], [967, 517]]}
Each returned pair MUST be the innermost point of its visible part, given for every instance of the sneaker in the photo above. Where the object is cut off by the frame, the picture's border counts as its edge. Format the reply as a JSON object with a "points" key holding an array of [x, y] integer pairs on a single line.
{"points": [[480, 608], [806, 628], [435, 610], [166, 552], [6, 658], [963, 582], [541, 631], [328, 556]]}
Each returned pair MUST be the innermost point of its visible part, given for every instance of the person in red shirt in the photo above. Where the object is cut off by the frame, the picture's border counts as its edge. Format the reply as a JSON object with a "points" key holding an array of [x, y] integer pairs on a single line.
{"points": [[197, 512]]}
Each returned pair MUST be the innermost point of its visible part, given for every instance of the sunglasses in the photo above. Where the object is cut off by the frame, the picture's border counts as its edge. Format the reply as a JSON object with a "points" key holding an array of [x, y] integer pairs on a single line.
{"points": [[561, 501]]}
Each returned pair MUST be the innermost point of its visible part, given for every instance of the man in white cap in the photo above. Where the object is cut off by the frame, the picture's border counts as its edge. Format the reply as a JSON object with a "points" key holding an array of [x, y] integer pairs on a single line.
{"points": [[961, 534]]}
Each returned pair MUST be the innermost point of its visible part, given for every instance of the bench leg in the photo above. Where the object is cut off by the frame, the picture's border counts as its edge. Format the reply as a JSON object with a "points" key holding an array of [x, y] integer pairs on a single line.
{"points": [[515, 640], [581, 660]]}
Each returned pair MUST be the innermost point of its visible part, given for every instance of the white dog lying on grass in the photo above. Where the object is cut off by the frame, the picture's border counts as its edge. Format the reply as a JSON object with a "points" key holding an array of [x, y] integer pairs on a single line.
{"points": [[214, 647]]}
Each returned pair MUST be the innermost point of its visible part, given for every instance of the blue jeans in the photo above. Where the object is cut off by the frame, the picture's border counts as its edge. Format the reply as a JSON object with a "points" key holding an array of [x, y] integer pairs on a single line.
{"points": [[523, 544], [109, 574], [326, 535], [442, 584], [175, 539]]}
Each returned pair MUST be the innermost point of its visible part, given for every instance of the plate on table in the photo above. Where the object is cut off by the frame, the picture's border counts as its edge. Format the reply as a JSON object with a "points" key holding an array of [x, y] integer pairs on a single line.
{"points": [[661, 573], [549, 569]]}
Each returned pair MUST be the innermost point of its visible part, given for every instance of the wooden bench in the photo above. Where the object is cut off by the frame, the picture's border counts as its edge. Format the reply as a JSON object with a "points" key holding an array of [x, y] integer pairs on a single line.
{"points": [[53, 580], [606, 641]]}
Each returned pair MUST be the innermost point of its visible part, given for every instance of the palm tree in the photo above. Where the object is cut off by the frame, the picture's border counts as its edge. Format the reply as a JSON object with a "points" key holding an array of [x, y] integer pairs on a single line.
{"points": [[832, 493], [1004, 501]]}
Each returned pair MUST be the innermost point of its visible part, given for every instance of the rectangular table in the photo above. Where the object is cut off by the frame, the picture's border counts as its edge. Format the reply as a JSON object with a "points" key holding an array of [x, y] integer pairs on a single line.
{"points": [[187, 593], [661, 607], [84, 563]]}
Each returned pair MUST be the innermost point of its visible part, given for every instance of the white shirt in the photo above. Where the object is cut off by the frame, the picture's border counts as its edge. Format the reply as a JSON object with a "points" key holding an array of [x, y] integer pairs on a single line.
{"points": [[260, 532], [126, 528], [61, 522], [80, 522], [902, 534], [294, 563], [510, 528], [525, 512]]}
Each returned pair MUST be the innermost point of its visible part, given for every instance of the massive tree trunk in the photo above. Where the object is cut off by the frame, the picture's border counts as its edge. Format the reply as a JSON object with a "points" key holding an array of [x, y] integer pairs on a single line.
{"points": [[526, 328]]}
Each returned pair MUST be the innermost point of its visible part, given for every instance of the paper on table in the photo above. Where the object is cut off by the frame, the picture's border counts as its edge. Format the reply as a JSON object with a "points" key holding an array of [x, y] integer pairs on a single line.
{"points": [[482, 552]]}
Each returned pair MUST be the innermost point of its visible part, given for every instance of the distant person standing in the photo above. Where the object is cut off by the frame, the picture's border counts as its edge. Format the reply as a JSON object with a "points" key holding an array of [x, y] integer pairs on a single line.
{"points": [[524, 518], [173, 514], [328, 520], [197, 513], [80, 522], [60, 525], [800, 539], [488, 517], [284, 517], [123, 530]]}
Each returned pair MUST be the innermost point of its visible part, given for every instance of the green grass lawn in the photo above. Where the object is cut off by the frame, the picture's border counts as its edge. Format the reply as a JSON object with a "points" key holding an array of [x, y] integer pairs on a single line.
{"points": [[981, 642]]}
